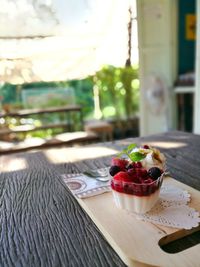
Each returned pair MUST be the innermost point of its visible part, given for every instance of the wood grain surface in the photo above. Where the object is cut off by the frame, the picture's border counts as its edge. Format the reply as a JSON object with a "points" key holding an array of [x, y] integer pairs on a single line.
{"points": [[42, 224]]}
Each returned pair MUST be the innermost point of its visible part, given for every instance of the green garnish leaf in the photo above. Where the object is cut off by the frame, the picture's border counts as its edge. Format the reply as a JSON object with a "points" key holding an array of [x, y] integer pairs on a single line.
{"points": [[120, 154], [136, 156], [133, 156], [131, 147], [123, 152]]}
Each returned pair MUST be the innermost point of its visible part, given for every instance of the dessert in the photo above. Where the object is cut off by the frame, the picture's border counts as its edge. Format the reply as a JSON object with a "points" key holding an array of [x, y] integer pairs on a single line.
{"points": [[137, 179]]}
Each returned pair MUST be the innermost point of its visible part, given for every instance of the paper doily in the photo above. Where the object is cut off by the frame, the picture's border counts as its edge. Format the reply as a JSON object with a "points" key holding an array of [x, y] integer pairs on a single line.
{"points": [[172, 210]]}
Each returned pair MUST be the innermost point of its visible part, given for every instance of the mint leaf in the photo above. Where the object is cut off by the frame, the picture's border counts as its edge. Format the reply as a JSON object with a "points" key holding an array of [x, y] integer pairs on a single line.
{"points": [[121, 154], [131, 147], [136, 156]]}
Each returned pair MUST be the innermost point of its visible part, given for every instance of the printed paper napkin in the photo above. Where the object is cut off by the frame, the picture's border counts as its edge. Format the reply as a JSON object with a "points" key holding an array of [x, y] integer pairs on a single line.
{"points": [[83, 186]]}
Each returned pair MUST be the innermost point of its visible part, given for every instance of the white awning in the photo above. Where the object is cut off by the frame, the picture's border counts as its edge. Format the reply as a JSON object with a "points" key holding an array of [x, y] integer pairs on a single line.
{"points": [[54, 40]]}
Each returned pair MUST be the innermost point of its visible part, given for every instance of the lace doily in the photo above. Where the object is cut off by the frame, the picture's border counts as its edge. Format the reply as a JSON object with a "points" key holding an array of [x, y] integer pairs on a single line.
{"points": [[172, 210]]}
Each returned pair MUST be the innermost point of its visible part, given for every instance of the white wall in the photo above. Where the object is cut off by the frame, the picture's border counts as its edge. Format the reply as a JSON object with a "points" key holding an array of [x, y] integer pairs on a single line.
{"points": [[157, 38]]}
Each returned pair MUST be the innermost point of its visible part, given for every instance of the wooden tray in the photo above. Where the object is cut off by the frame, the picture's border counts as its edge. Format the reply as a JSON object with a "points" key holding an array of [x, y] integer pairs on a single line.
{"points": [[137, 242]]}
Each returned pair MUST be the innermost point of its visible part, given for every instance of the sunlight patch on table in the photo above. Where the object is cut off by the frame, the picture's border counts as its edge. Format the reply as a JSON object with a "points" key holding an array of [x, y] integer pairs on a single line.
{"points": [[79, 153], [167, 145], [8, 164]]}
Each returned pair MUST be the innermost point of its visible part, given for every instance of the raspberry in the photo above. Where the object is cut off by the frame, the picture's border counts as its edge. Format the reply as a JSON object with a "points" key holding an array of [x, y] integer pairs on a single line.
{"points": [[149, 180], [122, 176], [144, 173], [136, 180], [154, 173], [140, 172], [133, 177], [122, 163], [114, 170], [137, 164], [131, 172]]}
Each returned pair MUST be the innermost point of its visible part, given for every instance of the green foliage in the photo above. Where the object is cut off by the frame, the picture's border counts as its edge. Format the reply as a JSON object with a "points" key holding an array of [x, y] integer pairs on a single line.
{"points": [[119, 88], [8, 93], [118, 93], [128, 74], [83, 90], [44, 84]]}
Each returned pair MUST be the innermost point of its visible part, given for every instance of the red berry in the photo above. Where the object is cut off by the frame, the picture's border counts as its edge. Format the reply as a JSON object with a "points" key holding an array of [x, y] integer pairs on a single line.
{"points": [[122, 163], [145, 146], [148, 181], [144, 173], [134, 178], [137, 164], [131, 172], [140, 172], [122, 176], [137, 181]]}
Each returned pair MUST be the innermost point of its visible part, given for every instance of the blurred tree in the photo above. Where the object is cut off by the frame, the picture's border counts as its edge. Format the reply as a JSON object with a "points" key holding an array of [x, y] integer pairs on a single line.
{"points": [[116, 84], [118, 87]]}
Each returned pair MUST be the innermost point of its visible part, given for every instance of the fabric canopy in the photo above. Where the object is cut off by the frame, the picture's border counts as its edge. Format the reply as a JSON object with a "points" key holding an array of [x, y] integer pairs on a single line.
{"points": [[55, 40]]}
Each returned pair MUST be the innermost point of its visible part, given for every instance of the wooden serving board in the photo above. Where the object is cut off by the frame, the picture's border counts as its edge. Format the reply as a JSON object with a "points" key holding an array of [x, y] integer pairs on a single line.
{"points": [[137, 242]]}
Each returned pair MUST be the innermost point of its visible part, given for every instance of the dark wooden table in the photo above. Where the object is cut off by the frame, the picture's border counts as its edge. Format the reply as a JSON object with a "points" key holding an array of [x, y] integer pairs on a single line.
{"points": [[41, 223]]}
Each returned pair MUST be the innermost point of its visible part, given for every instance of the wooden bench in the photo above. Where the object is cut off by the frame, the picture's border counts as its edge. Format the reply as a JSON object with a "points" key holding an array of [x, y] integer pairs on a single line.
{"points": [[103, 129], [68, 110], [66, 138]]}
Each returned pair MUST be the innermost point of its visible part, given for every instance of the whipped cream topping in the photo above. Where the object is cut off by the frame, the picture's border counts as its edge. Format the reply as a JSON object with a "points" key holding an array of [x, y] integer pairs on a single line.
{"points": [[154, 158]]}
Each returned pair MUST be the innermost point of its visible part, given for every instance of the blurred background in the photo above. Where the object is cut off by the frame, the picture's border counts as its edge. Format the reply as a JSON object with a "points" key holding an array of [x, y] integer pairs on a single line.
{"points": [[127, 64]]}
